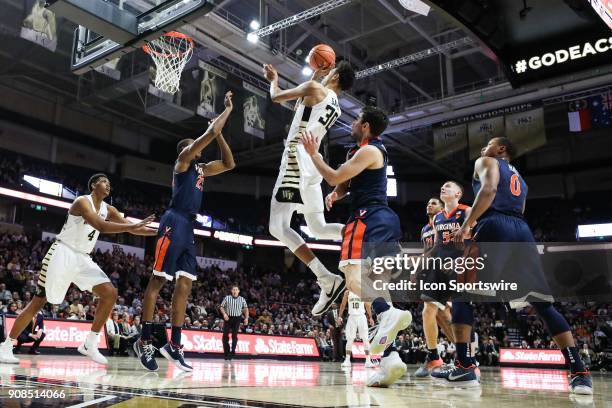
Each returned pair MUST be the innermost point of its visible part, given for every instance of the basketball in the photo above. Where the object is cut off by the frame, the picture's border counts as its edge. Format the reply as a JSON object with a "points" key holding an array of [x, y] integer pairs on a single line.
{"points": [[321, 56]]}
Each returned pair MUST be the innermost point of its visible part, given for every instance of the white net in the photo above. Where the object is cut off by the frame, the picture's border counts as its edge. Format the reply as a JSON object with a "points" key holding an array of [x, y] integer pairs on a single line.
{"points": [[170, 52]]}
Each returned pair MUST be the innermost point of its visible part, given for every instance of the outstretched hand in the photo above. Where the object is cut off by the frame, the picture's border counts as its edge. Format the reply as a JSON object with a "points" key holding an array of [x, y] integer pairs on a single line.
{"points": [[227, 101], [311, 143], [144, 222], [270, 72]]}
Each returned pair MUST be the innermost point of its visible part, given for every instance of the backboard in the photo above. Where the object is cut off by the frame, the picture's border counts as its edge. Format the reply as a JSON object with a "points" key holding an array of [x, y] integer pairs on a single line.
{"points": [[110, 28]]}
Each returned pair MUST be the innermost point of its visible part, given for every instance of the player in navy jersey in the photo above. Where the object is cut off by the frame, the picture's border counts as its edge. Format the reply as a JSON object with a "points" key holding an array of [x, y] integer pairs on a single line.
{"points": [[434, 206], [371, 221], [435, 309], [175, 254], [499, 205]]}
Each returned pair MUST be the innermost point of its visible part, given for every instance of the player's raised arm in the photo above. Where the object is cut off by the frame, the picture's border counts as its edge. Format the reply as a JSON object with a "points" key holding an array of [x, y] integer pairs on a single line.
{"points": [[306, 89], [115, 216], [487, 171], [364, 158], [82, 207], [226, 162], [193, 150]]}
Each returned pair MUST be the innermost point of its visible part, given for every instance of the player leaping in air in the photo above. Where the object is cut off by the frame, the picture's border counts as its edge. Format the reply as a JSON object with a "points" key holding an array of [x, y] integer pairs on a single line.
{"points": [[298, 186], [175, 253], [68, 261]]}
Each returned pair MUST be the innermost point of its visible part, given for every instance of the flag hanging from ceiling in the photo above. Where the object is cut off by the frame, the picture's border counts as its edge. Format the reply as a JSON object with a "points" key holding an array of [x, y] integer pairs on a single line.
{"points": [[579, 115]]}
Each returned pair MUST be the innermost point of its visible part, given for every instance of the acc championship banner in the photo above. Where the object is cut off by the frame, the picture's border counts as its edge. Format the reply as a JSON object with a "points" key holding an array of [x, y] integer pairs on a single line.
{"points": [[449, 140], [63, 333], [200, 341], [531, 356], [211, 90], [479, 133], [253, 110], [526, 130]]}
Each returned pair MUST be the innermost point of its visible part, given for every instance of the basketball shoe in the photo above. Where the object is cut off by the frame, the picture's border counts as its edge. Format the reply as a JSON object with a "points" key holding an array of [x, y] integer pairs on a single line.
{"points": [[390, 322], [458, 376], [581, 383], [6, 353], [146, 354], [175, 354], [392, 368], [428, 366], [331, 286]]}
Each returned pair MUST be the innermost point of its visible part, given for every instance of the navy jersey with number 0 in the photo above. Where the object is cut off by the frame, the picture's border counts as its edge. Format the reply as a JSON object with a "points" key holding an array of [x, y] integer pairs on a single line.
{"points": [[427, 236], [369, 187], [187, 190], [511, 190]]}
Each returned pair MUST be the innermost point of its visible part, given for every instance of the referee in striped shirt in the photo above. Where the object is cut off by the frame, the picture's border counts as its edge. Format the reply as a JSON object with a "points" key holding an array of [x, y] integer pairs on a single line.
{"points": [[233, 308]]}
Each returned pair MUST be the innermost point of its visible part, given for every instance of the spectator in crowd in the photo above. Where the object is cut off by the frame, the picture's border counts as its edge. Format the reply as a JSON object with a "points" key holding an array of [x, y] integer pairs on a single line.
{"points": [[587, 355], [5, 295], [325, 347], [116, 340], [491, 353]]}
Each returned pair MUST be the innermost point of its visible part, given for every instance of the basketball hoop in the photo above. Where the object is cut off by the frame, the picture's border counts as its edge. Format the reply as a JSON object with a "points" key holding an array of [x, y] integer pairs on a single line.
{"points": [[170, 52]]}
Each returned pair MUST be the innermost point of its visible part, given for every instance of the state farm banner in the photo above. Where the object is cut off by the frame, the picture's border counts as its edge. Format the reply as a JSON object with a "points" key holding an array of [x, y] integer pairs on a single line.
{"points": [[200, 341], [449, 140], [62, 333], [550, 357], [526, 130], [480, 132]]}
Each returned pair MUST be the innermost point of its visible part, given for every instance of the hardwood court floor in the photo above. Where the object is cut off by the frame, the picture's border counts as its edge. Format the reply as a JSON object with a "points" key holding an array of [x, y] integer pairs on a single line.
{"points": [[268, 383]]}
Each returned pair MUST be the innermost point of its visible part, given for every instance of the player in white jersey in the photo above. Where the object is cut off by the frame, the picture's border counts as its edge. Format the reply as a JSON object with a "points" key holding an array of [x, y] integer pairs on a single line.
{"points": [[298, 187], [68, 261], [356, 323]]}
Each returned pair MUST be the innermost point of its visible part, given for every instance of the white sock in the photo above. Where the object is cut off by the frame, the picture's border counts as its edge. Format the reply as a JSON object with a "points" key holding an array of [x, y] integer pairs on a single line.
{"points": [[92, 339], [8, 341], [319, 269]]}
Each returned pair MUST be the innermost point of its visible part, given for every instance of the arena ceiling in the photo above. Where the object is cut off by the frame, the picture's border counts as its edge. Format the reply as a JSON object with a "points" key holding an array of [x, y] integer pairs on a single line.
{"points": [[366, 32]]}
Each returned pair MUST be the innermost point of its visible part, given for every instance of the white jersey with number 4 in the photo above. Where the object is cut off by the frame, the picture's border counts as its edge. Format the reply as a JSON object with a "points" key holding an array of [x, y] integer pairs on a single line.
{"points": [[355, 305], [78, 234], [318, 119]]}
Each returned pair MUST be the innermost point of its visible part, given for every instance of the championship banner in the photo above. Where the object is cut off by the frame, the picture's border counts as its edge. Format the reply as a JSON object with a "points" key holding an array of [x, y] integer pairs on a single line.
{"points": [[211, 90], [39, 24], [479, 133], [449, 140], [526, 130], [253, 110]]}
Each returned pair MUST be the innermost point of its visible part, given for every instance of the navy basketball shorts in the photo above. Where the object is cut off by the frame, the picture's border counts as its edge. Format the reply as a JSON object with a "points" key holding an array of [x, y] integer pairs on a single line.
{"points": [[436, 284], [175, 253], [370, 232], [509, 252]]}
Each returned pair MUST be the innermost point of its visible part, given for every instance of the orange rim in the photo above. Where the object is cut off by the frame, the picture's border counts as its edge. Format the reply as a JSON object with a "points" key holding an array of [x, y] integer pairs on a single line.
{"points": [[173, 34]]}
